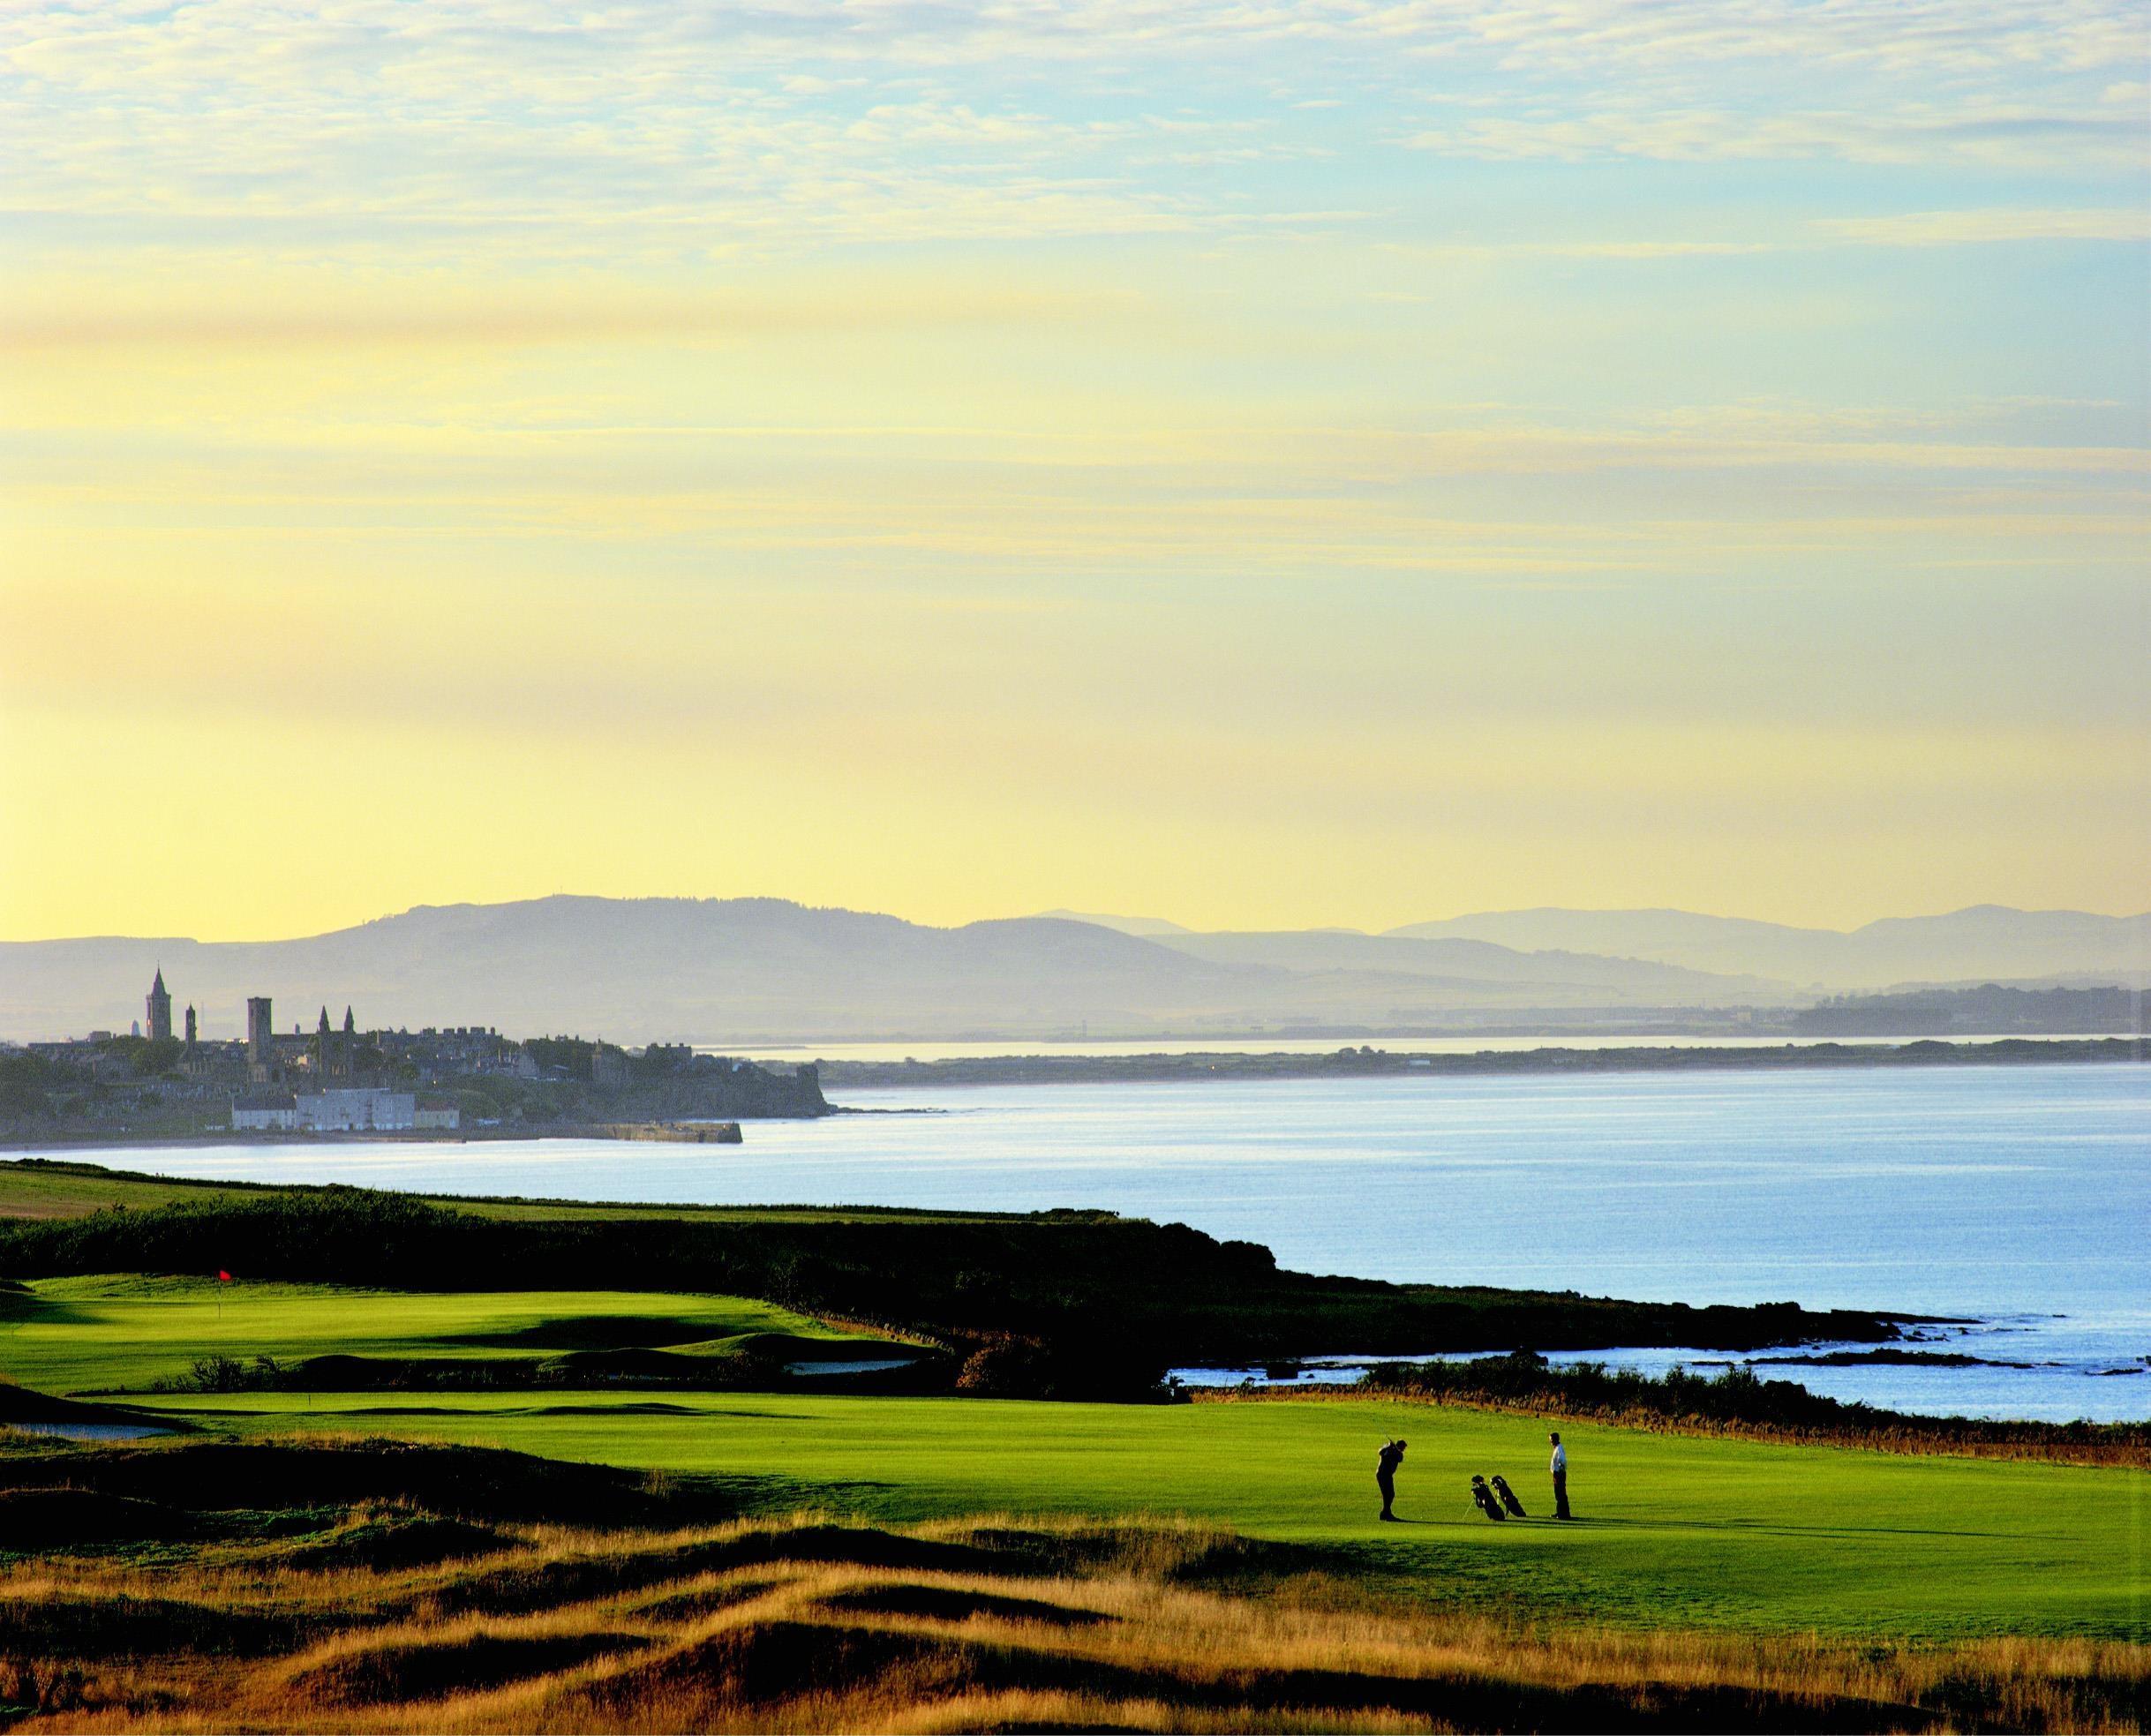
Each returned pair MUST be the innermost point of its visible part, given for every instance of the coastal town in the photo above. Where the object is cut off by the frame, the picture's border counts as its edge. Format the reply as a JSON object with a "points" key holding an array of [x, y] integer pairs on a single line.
{"points": [[162, 1078]]}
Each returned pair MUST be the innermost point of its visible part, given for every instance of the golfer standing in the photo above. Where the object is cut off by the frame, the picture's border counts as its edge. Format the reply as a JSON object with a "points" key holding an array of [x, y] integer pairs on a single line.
{"points": [[1559, 1467], [1386, 1462]]}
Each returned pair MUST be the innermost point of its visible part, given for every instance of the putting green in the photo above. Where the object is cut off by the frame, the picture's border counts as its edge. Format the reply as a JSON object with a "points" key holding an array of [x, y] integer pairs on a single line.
{"points": [[122, 1333], [1673, 1531]]}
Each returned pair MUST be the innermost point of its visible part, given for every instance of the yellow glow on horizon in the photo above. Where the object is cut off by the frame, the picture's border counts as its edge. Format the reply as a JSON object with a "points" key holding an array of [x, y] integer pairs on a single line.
{"points": [[281, 761]]}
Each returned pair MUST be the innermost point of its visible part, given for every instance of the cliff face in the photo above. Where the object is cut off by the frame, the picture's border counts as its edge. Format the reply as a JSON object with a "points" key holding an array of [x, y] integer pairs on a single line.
{"points": [[722, 1091], [657, 1087]]}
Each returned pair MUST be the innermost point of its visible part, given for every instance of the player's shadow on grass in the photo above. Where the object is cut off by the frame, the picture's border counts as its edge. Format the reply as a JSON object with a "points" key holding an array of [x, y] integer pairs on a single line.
{"points": [[648, 1408], [1770, 1528], [1582, 1521], [1751, 1527]]}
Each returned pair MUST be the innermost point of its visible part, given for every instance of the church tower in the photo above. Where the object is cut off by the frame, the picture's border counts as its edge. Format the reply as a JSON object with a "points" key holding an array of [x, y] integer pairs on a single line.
{"points": [[159, 1007], [261, 1032], [191, 1034]]}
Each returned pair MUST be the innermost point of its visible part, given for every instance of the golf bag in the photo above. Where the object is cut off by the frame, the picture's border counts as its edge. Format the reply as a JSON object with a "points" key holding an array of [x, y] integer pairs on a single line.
{"points": [[1483, 1497], [1509, 1497]]}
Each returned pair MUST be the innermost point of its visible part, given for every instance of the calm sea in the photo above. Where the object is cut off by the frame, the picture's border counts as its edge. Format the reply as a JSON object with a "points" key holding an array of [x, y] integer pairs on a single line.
{"points": [[2018, 1196]]}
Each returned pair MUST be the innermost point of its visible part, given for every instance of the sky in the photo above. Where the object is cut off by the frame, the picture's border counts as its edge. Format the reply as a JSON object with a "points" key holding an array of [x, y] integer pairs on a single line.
{"points": [[1259, 464]]}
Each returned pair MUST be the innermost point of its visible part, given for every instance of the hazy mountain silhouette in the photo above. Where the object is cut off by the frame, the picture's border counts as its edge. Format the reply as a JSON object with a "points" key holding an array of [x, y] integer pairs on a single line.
{"points": [[1148, 927], [632, 969], [746, 970], [731, 971], [1985, 941], [1470, 961]]}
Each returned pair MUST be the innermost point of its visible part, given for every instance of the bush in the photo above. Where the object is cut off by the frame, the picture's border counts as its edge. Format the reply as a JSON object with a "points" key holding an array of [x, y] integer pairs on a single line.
{"points": [[1736, 1400], [216, 1374], [1002, 1367]]}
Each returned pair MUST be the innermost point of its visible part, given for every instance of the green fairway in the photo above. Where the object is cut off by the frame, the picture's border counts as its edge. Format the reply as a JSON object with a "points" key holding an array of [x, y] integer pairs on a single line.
{"points": [[1672, 1530], [123, 1333]]}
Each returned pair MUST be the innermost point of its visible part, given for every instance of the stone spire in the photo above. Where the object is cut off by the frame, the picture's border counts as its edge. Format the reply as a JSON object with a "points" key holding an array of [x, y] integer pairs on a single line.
{"points": [[158, 1006]]}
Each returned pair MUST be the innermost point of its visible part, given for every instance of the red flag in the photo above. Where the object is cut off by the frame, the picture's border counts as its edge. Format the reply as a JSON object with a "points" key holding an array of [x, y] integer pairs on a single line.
{"points": [[222, 1276]]}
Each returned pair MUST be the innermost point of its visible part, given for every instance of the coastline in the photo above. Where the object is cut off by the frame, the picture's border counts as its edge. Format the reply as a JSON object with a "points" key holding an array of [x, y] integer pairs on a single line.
{"points": [[525, 1132], [1370, 1063], [1192, 1067]]}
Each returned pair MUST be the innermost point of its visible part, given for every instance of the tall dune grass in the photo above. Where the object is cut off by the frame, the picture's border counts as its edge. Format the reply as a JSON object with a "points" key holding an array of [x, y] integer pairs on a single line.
{"points": [[988, 1623]]}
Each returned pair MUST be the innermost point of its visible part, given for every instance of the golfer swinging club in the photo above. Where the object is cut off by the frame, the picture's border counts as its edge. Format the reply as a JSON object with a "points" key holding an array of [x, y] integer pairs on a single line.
{"points": [[1386, 1462]]}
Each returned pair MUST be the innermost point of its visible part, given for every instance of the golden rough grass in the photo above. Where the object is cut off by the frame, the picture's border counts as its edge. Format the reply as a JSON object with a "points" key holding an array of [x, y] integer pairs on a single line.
{"points": [[990, 1623]]}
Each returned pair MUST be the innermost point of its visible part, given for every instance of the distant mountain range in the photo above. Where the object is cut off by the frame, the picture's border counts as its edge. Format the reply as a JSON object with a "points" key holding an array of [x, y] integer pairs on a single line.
{"points": [[1553, 971], [1984, 942], [745, 971], [632, 970]]}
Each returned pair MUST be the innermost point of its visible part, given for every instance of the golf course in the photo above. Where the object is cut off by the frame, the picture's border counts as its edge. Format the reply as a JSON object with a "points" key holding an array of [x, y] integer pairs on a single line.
{"points": [[307, 1468]]}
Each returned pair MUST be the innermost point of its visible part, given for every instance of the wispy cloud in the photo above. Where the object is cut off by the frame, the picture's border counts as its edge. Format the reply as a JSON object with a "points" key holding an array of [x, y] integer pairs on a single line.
{"points": [[2012, 136], [262, 316], [1972, 226], [709, 127], [1111, 402], [1980, 227]]}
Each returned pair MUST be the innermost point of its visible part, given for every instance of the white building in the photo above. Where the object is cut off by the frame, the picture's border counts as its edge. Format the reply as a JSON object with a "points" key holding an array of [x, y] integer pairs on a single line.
{"points": [[449, 1119], [354, 1110], [271, 1113]]}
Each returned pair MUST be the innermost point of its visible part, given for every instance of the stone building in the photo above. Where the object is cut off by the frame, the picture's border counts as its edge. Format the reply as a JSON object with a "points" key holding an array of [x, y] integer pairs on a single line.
{"points": [[356, 1111], [159, 1008], [333, 1056], [269, 1112]]}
